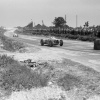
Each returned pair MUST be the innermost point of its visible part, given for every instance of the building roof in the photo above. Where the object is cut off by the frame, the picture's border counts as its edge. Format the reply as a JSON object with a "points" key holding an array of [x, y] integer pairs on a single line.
{"points": [[38, 26]]}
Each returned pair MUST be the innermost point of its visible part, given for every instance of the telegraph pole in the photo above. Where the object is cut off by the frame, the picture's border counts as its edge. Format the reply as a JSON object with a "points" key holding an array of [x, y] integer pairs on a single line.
{"points": [[42, 22], [34, 24], [76, 21], [65, 19]]}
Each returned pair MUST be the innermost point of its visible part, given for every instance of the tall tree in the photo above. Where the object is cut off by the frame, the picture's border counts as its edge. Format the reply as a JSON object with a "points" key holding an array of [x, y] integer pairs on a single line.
{"points": [[59, 22]]}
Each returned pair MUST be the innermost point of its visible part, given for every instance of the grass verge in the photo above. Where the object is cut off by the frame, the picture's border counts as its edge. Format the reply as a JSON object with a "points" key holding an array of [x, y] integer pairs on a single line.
{"points": [[15, 77], [74, 75], [9, 44]]}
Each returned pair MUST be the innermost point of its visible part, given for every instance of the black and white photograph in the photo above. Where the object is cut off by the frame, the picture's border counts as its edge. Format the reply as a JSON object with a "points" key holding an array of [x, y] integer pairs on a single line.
{"points": [[49, 49]]}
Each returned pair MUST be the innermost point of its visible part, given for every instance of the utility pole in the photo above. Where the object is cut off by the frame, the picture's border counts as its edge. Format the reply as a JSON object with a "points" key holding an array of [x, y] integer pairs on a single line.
{"points": [[34, 24], [42, 22], [76, 21], [65, 19]]}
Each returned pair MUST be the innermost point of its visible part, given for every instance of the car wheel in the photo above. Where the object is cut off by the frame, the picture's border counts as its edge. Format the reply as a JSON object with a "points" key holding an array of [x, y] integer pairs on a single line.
{"points": [[42, 43], [50, 43], [61, 42]]}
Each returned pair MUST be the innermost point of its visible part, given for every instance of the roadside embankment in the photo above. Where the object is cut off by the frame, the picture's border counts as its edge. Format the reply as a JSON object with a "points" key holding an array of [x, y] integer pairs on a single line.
{"points": [[57, 78], [65, 80]]}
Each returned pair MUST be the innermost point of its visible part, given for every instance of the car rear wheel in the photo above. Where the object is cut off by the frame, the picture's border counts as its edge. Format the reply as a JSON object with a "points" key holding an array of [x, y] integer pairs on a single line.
{"points": [[61, 42], [50, 43], [42, 43]]}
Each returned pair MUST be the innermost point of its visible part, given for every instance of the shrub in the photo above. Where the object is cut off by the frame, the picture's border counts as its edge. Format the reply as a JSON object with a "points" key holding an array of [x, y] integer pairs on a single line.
{"points": [[80, 35], [11, 45], [70, 36], [83, 38], [69, 81], [17, 45], [91, 39], [17, 77], [5, 61]]}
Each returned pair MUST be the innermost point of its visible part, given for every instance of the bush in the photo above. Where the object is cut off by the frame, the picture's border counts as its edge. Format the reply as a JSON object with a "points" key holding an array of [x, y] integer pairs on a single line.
{"points": [[5, 61], [91, 39], [70, 36], [16, 77], [69, 81], [83, 38], [80, 35], [11, 45], [2, 30]]}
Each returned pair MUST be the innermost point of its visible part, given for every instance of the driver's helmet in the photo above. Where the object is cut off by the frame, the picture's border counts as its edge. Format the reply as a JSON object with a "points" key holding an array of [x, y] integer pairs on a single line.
{"points": [[53, 37]]}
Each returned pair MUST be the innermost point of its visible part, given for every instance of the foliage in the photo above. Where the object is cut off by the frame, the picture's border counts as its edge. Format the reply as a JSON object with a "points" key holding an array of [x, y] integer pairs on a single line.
{"points": [[59, 22], [16, 77], [70, 36], [69, 81], [84, 35], [2, 30], [11, 45]]}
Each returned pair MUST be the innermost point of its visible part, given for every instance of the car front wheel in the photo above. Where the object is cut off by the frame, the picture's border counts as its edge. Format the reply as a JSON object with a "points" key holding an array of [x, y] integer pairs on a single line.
{"points": [[50, 43], [61, 42], [42, 43]]}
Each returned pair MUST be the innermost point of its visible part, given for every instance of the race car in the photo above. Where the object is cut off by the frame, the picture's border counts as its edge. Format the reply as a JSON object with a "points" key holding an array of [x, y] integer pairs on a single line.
{"points": [[51, 41], [15, 35]]}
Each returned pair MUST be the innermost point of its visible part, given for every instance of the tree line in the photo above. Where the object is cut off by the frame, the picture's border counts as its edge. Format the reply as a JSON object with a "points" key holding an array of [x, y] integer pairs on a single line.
{"points": [[61, 29]]}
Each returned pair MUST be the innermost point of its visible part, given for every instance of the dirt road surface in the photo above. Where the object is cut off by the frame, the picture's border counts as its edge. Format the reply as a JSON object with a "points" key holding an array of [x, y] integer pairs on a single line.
{"points": [[77, 51]]}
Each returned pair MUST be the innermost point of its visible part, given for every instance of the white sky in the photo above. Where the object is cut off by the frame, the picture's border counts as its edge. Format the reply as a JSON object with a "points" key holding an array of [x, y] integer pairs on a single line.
{"points": [[20, 12]]}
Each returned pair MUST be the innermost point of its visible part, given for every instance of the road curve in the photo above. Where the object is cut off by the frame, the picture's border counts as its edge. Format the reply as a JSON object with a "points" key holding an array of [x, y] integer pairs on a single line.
{"points": [[78, 51]]}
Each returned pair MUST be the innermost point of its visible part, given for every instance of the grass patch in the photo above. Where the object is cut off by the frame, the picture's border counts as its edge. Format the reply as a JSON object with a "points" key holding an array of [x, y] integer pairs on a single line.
{"points": [[11, 45], [15, 77], [75, 75], [68, 75], [69, 81]]}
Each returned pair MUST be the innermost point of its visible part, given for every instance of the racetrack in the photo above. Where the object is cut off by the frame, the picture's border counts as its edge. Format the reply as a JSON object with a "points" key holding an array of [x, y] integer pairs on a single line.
{"points": [[77, 51], [64, 59]]}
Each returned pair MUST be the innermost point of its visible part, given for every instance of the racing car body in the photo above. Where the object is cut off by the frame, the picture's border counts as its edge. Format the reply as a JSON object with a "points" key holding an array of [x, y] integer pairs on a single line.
{"points": [[15, 35], [51, 41]]}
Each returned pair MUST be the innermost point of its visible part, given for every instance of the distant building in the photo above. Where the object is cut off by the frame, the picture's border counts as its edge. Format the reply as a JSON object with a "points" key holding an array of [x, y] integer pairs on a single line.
{"points": [[40, 27], [29, 26]]}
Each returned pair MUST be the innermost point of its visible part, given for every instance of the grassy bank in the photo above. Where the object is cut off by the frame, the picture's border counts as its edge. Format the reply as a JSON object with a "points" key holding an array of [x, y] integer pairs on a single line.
{"points": [[15, 77], [68, 75], [84, 79], [9, 44]]}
